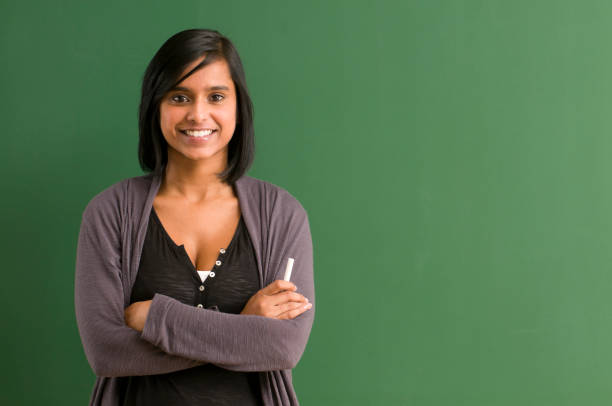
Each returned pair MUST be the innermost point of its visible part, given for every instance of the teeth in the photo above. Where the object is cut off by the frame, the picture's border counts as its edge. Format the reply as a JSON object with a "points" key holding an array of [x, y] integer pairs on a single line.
{"points": [[203, 133]]}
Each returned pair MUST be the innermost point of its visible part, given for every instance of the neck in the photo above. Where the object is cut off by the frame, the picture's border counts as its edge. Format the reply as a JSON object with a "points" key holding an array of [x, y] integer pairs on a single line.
{"points": [[194, 181]]}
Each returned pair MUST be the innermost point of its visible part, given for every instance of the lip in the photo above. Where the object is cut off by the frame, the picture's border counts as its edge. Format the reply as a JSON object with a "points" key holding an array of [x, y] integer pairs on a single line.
{"points": [[197, 129], [199, 140]]}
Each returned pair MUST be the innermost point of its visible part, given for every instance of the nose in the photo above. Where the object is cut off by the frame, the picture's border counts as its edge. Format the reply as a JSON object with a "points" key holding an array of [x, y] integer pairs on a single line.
{"points": [[198, 111]]}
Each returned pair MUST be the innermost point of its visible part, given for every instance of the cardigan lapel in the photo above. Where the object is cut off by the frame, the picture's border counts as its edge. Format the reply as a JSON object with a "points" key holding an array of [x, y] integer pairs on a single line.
{"points": [[138, 222], [251, 202]]}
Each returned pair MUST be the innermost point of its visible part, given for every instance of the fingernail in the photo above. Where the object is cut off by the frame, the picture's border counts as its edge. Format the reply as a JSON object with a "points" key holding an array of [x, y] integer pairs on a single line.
{"points": [[308, 306], [307, 300]]}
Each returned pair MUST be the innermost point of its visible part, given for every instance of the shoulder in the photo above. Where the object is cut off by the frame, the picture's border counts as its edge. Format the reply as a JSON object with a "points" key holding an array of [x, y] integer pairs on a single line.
{"points": [[275, 197], [111, 201]]}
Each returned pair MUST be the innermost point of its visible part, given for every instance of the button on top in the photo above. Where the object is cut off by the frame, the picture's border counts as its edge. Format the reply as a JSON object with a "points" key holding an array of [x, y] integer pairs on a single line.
{"points": [[201, 288], [222, 251], [218, 263], [212, 274], [199, 306]]}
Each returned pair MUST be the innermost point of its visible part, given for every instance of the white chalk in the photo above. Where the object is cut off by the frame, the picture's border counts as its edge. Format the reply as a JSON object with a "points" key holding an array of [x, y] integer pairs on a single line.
{"points": [[288, 269]]}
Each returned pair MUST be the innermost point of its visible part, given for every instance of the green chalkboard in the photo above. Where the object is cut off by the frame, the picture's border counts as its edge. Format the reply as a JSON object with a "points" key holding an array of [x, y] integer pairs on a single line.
{"points": [[453, 157]]}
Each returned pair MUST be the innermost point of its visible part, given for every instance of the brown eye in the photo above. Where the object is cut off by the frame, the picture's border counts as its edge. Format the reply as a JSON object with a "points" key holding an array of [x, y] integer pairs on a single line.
{"points": [[217, 97], [179, 98]]}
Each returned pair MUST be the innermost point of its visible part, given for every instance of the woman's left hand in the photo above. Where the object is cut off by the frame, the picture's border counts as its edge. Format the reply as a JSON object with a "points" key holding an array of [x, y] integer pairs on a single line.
{"points": [[136, 314]]}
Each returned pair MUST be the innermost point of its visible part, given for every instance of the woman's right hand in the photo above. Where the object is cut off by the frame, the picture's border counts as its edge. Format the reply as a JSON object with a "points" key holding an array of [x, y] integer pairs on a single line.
{"points": [[278, 300]]}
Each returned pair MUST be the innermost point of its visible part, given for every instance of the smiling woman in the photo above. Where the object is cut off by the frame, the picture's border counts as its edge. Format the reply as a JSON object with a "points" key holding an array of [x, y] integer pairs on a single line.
{"points": [[178, 292]]}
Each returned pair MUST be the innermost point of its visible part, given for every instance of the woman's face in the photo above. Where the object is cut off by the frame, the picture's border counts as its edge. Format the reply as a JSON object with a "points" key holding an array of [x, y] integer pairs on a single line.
{"points": [[198, 116]]}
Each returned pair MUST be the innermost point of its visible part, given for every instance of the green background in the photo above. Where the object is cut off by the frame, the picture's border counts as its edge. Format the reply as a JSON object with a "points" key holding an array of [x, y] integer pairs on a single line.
{"points": [[453, 156]]}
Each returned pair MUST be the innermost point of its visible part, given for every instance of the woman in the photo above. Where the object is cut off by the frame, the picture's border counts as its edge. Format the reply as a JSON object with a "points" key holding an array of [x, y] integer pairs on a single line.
{"points": [[179, 294]]}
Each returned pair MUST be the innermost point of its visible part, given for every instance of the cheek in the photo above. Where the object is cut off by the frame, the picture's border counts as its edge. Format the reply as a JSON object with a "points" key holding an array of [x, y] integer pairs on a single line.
{"points": [[167, 119], [229, 116]]}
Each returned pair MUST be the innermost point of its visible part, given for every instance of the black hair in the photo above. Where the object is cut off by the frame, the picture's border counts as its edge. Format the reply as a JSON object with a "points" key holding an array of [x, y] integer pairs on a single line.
{"points": [[162, 74]]}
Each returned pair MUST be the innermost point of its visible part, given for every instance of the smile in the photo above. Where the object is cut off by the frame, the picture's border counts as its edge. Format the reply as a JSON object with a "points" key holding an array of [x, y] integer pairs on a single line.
{"points": [[198, 133]]}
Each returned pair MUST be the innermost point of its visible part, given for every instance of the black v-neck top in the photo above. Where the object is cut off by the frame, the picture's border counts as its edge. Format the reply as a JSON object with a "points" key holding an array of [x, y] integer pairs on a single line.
{"points": [[167, 269]]}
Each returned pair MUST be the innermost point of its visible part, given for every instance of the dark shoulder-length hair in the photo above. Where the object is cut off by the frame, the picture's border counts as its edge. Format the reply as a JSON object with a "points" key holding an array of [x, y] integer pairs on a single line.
{"points": [[162, 75]]}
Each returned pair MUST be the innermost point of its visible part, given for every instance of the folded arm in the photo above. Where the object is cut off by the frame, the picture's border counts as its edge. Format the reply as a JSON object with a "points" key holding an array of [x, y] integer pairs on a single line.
{"points": [[111, 347], [240, 342]]}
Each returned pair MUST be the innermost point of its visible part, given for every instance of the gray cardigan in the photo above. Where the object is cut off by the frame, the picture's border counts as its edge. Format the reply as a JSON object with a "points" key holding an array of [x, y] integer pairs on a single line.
{"points": [[177, 336]]}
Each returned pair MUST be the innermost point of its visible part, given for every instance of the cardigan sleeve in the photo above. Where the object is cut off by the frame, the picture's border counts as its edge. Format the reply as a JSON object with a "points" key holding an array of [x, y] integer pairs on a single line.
{"points": [[242, 342], [112, 348]]}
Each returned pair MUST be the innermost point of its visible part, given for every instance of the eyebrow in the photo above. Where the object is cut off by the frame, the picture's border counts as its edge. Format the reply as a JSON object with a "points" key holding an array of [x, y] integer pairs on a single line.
{"points": [[185, 89]]}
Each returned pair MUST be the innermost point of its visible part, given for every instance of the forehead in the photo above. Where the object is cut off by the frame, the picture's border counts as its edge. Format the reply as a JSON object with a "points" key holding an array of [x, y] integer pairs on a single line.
{"points": [[214, 74]]}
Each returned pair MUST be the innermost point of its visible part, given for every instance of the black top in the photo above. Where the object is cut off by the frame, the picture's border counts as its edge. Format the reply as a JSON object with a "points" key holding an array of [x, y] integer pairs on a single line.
{"points": [[167, 269]]}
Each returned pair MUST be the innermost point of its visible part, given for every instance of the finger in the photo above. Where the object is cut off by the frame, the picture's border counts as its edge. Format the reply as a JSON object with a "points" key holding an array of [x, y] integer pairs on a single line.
{"points": [[285, 307], [285, 297], [293, 313], [278, 286]]}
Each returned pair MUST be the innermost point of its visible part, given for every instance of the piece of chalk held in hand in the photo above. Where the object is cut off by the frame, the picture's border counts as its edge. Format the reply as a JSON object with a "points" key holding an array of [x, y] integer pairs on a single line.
{"points": [[288, 269]]}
